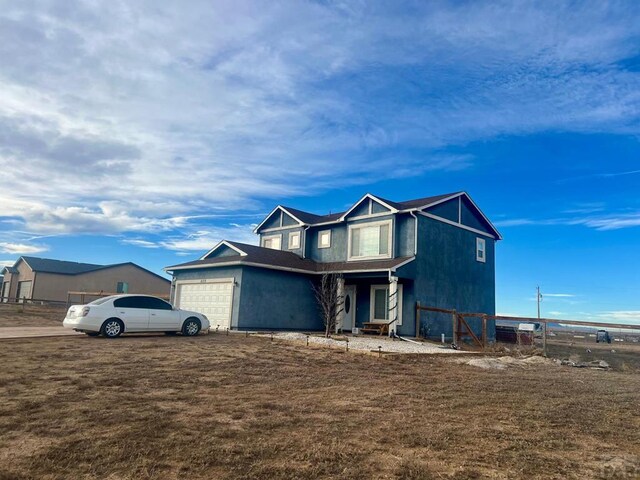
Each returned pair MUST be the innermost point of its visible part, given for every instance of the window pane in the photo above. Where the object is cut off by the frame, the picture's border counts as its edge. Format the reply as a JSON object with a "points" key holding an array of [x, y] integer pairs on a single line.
{"points": [[130, 302], [369, 241], [157, 304], [294, 240], [381, 310], [355, 242], [384, 240]]}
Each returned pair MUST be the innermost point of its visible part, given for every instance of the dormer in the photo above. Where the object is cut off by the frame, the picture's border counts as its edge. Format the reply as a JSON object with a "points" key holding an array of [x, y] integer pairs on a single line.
{"points": [[369, 206], [281, 230]]}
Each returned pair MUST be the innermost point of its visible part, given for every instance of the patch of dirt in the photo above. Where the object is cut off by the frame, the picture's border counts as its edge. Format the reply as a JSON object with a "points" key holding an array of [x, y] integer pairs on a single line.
{"points": [[500, 363]]}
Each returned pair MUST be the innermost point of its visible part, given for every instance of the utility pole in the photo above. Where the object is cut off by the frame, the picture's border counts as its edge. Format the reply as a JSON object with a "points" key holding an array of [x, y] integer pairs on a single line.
{"points": [[544, 325]]}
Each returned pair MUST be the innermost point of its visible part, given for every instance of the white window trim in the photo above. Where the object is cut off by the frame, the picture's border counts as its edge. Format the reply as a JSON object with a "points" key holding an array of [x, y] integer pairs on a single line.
{"points": [[372, 303], [320, 233], [389, 222], [483, 258], [292, 235], [271, 237]]}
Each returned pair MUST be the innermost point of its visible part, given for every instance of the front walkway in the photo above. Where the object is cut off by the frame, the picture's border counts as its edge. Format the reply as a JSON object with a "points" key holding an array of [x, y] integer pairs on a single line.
{"points": [[369, 343]]}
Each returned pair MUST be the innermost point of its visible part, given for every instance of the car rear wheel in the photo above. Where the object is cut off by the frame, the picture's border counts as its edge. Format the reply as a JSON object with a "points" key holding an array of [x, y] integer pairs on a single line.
{"points": [[191, 327], [112, 328]]}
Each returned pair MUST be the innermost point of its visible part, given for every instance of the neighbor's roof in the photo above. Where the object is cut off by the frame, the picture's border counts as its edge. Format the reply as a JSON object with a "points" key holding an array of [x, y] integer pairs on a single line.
{"points": [[63, 267], [277, 259]]}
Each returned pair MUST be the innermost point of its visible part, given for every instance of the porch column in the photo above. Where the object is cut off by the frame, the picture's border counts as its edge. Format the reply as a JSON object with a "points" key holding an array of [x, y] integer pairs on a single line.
{"points": [[340, 306], [393, 304]]}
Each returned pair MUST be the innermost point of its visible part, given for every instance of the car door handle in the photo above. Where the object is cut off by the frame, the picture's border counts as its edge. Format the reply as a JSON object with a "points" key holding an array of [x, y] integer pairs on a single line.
{"points": [[153, 314]]}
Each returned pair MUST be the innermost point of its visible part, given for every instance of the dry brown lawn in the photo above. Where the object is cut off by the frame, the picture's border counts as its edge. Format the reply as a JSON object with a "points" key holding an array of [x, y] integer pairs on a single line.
{"points": [[31, 315], [219, 406]]}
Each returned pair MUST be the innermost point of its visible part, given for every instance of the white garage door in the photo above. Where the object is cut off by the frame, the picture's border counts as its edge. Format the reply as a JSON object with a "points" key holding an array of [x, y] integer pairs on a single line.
{"points": [[213, 298]]}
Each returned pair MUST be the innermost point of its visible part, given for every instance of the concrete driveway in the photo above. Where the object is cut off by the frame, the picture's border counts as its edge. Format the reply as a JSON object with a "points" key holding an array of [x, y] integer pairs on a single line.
{"points": [[31, 332]]}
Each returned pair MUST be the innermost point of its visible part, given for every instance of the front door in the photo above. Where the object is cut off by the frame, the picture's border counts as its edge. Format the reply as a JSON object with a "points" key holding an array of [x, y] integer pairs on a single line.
{"points": [[349, 308]]}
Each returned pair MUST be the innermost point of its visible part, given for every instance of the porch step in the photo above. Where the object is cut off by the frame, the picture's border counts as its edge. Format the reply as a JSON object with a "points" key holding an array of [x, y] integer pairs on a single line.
{"points": [[375, 328]]}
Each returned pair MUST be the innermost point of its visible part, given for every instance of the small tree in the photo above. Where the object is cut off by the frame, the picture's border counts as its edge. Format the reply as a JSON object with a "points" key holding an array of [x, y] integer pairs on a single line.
{"points": [[330, 301]]}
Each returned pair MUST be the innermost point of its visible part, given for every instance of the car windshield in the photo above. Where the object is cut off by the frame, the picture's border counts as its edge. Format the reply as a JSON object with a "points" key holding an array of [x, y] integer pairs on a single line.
{"points": [[102, 300]]}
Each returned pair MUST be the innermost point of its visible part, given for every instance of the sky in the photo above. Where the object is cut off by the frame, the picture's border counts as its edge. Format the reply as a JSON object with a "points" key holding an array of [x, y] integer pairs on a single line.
{"points": [[148, 131]]}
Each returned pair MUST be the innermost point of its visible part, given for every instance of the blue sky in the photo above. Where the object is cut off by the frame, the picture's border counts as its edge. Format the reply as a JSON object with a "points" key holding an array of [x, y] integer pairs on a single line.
{"points": [[148, 132]]}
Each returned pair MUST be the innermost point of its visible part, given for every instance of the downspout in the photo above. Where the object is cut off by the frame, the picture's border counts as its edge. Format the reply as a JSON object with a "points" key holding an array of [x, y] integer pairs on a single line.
{"points": [[304, 241], [415, 234]]}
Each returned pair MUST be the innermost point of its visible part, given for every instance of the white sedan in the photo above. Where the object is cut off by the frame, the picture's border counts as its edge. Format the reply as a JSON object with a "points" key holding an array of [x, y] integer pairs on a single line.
{"points": [[117, 314]]}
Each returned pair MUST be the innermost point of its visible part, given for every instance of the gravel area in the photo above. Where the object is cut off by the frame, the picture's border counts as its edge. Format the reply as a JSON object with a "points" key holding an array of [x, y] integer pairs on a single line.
{"points": [[369, 343]]}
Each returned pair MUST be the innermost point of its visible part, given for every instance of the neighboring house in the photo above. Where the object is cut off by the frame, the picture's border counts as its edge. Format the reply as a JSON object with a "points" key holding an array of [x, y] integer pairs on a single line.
{"points": [[46, 279], [436, 250]]}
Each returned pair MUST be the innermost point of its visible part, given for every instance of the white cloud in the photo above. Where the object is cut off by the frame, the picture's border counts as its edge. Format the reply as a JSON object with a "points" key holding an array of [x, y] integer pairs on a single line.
{"points": [[602, 222], [624, 316], [136, 242], [7, 263], [204, 240], [558, 295], [109, 124], [21, 248]]}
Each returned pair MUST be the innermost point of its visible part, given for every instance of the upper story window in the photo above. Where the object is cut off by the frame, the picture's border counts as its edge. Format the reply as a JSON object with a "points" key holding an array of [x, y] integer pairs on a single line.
{"points": [[294, 240], [370, 240], [122, 287], [324, 239], [272, 241], [481, 250]]}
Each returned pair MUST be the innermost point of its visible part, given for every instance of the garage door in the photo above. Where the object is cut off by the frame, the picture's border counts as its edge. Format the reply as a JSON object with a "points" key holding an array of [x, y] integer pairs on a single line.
{"points": [[214, 299], [24, 289]]}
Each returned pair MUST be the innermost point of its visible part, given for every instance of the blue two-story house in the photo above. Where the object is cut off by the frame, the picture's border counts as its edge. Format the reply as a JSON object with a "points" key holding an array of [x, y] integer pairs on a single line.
{"points": [[439, 251]]}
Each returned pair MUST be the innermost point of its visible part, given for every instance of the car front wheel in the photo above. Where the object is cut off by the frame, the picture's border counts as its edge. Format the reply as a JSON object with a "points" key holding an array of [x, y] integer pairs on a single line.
{"points": [[112, 328], [191, 327]]}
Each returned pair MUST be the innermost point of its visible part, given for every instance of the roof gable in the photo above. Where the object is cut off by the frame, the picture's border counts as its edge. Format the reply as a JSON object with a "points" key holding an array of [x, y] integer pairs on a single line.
{"points": [[279, 217], [223, 249], [469, 214], [364, 206]]}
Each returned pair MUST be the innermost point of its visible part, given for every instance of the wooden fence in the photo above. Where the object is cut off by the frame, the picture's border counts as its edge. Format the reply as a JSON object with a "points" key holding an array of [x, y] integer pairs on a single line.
{"points": [[461, 328]]}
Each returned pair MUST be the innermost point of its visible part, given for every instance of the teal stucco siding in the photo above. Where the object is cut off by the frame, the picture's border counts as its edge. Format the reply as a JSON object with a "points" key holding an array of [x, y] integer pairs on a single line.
{"points": [[447, 275], [277, 300]]}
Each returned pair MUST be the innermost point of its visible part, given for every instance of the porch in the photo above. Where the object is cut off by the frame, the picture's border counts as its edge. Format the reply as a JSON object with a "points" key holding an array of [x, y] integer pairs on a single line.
{"points": [[375, 304]]}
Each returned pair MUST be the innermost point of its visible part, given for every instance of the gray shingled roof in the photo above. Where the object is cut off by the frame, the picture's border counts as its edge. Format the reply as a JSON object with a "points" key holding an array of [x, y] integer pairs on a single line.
{"points": [[61, 267], [277, 258], [313, 219]]}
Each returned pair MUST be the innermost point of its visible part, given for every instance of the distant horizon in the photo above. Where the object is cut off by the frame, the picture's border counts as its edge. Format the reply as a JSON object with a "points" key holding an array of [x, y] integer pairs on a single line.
{"points": [[150, 132]]}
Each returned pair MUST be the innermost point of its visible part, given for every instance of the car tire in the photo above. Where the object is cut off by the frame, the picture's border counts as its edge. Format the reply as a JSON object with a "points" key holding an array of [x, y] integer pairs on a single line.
{"points": [[92, 334], [170, 334], [112, 328], [191, 327]]}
